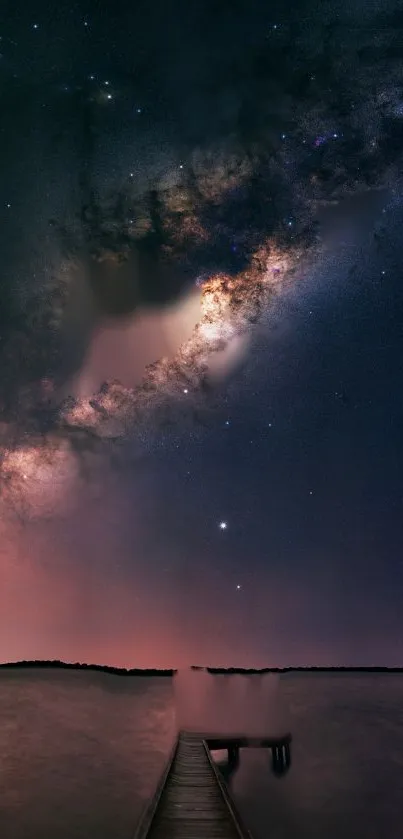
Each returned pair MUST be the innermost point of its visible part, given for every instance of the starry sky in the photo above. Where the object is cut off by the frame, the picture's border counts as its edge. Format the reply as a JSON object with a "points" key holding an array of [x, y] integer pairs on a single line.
{"points": [[200, 333]]}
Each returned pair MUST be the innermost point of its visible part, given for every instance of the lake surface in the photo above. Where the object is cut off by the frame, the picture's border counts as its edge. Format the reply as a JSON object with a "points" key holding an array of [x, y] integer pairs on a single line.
{"points": [[80, 753]]}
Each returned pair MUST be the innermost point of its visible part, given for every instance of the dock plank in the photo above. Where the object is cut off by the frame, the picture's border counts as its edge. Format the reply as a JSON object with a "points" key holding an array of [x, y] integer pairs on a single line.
{"points": [[192, 801]]}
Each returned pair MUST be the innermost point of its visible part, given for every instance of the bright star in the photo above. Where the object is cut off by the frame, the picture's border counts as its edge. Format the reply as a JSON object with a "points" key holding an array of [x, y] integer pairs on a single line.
{"points": [[223, 525], [185, 390], [238, 586]]}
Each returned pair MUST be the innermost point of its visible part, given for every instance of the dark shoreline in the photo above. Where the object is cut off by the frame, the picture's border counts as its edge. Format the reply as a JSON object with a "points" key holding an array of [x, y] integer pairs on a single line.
{"points": [[122, 671]]}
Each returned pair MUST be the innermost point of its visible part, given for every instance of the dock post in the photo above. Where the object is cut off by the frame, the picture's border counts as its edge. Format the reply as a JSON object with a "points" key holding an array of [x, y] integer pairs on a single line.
{"points": [[233, 755], [281, 758]]}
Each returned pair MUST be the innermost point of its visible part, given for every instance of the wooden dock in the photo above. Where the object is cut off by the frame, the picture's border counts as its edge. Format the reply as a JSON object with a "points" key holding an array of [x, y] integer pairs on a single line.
{"points": [[279, 746], [191, 800]]}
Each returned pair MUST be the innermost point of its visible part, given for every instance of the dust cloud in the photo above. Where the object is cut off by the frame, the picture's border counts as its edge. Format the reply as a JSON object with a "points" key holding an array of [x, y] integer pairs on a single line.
{"points": [[122, 349]]}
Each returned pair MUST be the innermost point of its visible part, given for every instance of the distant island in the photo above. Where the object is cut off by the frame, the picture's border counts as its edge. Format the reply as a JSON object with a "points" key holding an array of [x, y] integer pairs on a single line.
{"points": [[152, 671], [77, 665]]}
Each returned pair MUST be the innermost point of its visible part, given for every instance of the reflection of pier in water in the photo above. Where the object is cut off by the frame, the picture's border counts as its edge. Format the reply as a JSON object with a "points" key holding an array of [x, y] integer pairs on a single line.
{"points": [[192, 800]]}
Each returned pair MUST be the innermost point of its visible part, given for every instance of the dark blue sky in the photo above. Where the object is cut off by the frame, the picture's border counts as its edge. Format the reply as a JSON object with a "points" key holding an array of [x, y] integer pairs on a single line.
{"points": [[308, 474]]}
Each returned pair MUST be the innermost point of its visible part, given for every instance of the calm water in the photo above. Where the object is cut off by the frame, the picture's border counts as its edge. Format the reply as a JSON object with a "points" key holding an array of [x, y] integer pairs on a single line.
{"points": [[81, 752]]}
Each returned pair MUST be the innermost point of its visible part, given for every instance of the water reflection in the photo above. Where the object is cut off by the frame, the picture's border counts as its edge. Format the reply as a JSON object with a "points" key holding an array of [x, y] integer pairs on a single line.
{"points": [[81, 753], [227, 763], [230, 706]]}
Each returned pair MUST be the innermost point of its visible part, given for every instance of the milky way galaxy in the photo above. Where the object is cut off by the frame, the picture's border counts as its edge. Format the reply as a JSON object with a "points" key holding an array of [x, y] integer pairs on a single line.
{"points": [[168, 184]]}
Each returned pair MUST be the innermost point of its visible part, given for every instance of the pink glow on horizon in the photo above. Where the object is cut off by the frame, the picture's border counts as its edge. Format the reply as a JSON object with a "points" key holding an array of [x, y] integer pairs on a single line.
{"points": [[93, 588]]}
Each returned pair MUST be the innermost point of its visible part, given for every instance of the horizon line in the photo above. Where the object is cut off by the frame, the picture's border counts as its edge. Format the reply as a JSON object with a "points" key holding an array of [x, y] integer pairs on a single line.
{"points": [[213, 669]]}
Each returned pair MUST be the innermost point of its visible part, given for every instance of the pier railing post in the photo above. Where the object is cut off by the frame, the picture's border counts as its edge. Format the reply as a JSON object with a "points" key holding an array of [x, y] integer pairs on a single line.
{"points": [[281, 758], [233, 754]]}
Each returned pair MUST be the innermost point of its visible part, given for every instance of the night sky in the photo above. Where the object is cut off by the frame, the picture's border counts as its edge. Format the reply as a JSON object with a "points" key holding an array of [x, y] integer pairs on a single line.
{"points": [[201, 344]]}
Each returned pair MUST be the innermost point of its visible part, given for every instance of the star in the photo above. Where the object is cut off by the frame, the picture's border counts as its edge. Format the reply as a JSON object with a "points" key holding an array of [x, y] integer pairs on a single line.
{"points": [[223, 525], [238, 587]]}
